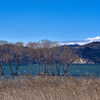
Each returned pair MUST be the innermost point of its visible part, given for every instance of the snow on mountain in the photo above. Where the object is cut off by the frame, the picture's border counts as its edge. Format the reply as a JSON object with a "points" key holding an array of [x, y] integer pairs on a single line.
{"points": [[81, 42]]}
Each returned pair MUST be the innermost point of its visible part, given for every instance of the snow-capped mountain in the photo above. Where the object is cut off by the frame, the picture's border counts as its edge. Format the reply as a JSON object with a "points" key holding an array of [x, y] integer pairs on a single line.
{"points": [[81, 42]]}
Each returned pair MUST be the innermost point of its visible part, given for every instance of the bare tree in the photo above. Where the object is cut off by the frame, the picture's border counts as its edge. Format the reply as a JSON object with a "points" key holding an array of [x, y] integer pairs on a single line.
{"points": [[31, 46], [48, 54], [45, 46], [56, 57], [50, 59], [67, 57], [9, 55], [25, 58], [13, 53], [18, 48], [2, 42], [38, 55], [2, 53]]}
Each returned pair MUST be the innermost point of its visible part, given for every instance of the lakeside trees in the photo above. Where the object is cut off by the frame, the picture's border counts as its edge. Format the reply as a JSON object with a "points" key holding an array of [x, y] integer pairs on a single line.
{"points": [[2, 54], [45, 51], [1, 58], [18, 51], [67, 57], [9, 55]]}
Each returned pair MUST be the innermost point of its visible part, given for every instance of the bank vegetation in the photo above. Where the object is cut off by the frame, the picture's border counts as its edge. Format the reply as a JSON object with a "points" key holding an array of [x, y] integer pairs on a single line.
{"points": [[50, 88]]}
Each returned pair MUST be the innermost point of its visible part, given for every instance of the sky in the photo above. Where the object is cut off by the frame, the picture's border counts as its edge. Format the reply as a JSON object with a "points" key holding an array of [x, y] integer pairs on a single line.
{"points": [[55, 20]]}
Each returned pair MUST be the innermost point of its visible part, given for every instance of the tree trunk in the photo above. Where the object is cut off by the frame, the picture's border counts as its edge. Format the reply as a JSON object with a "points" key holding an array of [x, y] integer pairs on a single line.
{"points": [[66, 69], [63, 68], [52, 70], [41, 68], [11, 69], [47, 70], [1, 69], [57, 69], [44, 65], [26, 69], [38, 68], [17, 66], [58, 73], [16, 71]]}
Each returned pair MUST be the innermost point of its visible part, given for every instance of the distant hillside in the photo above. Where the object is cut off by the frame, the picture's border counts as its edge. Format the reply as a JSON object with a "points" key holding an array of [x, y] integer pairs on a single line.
{"points": [[75, 45], [89, 52]]}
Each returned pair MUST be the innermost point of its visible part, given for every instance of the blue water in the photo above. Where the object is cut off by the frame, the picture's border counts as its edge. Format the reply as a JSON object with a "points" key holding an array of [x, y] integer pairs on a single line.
{"points": [[74, 69]]}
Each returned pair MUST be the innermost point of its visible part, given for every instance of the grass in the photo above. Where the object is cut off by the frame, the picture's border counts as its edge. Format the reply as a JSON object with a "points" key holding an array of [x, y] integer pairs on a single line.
{"points": [[50, 88]]}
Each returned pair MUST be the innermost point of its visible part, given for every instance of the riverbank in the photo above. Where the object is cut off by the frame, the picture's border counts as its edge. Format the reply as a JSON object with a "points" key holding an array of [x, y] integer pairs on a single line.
{"points": [[50, 88]]}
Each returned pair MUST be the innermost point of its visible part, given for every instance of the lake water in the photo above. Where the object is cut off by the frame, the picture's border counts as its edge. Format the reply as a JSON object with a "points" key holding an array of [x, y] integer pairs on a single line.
{"points": [[74, 69]]}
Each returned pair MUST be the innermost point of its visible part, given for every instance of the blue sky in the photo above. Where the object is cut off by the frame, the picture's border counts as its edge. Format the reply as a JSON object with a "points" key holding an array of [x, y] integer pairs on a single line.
{"points": [[56, 20]]}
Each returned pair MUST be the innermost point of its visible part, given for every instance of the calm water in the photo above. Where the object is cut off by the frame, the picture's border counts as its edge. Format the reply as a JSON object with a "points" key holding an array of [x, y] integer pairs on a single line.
{"points": [[74, 69]]}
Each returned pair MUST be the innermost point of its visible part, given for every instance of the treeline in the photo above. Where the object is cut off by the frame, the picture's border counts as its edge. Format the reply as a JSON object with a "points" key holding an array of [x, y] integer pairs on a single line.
{"points": [[45, 51]]}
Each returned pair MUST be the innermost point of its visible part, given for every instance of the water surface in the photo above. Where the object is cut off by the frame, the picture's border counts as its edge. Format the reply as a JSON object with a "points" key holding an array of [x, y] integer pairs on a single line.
{"points": [[74, 69]]}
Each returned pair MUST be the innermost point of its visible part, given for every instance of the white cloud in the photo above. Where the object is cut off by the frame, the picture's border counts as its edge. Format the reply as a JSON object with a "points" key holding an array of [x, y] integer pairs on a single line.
{"points": [[81, 42], [93, 39]]}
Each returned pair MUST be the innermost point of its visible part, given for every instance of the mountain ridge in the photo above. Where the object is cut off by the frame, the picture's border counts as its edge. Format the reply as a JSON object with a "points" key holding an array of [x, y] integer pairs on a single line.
{"points": [[89, 53]]}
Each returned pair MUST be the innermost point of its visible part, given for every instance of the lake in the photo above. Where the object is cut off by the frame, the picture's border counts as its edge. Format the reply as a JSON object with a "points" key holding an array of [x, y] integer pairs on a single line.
{"points": [[74, 69]]}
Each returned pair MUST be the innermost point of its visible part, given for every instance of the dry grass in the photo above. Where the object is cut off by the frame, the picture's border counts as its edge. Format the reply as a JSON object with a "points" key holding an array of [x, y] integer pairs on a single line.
{"points": [[50, 88]]}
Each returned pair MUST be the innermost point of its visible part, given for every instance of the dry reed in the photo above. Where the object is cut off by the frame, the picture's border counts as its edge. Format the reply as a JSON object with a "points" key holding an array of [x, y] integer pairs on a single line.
{"points": [[50, 88]]}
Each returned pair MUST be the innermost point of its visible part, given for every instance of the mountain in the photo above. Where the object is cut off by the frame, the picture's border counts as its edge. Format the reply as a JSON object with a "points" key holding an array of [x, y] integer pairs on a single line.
{"points": [[75, 45], [89, 53]]}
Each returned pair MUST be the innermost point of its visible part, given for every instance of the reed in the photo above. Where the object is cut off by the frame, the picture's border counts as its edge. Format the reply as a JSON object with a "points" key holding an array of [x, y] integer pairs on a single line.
{"points": [[50, 88]]}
